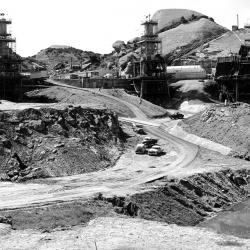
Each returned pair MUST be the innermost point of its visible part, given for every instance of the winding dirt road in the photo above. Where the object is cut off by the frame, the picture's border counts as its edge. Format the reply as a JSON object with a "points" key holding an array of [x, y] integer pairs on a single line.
{"points": [[128, 176]]}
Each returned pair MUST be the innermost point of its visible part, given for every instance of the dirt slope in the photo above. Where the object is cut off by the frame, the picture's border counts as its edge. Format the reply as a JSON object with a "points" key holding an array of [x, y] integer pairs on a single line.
{"points": [[226, 125], [149, 109], [168, 18], [225, 45], [115, 100], [76, 97], [187, 35]]}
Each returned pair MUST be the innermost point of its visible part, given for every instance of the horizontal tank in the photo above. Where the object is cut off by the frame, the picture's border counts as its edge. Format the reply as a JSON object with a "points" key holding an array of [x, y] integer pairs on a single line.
{"points": [[3, 28], [186, 72]]}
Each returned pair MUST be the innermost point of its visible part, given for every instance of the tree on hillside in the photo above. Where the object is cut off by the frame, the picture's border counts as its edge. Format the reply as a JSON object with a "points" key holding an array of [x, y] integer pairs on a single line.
{"points": [[183, 20], [193, 17]]}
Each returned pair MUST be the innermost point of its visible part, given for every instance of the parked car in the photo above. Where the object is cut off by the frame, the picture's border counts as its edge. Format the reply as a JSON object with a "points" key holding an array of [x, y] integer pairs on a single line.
{"points": [[140, 149], [138, 129], [149, 142], [156, 150], [176, 116]]}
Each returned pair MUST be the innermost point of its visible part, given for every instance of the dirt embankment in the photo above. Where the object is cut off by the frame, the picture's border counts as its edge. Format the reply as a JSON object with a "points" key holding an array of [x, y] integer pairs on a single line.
{"points": [[227, 125], [53, 142], [149, 109], [83, 98], [96, 98], [185, 201]]}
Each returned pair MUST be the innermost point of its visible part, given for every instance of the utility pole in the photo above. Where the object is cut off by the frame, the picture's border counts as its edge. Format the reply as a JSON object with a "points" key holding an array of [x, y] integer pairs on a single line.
{"points": [[141, 90], [236, 90]]}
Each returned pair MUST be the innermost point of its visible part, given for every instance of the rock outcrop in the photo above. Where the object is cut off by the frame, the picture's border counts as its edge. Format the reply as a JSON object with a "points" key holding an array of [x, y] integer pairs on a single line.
{"points": [[52, 142]]}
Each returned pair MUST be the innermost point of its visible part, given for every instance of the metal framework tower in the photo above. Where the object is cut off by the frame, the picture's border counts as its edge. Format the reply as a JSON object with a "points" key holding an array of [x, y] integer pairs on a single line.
{"points": [[10, 62], [149, 71]]}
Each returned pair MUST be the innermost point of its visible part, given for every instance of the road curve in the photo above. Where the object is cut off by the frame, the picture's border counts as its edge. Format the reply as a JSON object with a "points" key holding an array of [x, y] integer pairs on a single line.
{"points": [[121, 179], [137, 112]]}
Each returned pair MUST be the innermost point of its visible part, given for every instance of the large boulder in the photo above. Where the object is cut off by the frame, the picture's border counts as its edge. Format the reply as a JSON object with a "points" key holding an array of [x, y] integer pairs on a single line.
{"points": [[125, 59], [118, 45], [134, 40]]}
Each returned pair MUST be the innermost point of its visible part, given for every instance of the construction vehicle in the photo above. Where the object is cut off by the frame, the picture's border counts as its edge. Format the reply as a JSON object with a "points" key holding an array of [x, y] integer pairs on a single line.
{"points": [[138, 129], [176, 116], [149, 142]]}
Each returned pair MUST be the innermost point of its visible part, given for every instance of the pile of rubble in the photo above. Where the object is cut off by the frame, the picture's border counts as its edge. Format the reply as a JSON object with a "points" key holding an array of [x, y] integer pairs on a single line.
{"points": [[228, 125], [53, 142]]}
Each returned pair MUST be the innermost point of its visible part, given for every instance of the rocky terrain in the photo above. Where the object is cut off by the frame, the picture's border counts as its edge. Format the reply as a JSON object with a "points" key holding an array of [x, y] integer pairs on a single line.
{"points": [[106, 196], [227, 44], [63, 56], [227, 125], [52, 142], [181, 31]]}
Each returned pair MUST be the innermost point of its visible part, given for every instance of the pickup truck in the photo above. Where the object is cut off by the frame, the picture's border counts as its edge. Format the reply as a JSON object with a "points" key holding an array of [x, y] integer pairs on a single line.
{"points": [[149, 142]]}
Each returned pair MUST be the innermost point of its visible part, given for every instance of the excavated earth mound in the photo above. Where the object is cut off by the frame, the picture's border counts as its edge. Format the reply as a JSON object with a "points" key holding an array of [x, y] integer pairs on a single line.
{"points": [[228, 125], [52, 142], [76, 97]]}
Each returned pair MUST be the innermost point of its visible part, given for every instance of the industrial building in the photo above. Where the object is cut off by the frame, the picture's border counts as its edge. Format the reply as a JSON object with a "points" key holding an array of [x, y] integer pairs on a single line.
{"points": [[10, 62], [233, 74], [148, 71]]}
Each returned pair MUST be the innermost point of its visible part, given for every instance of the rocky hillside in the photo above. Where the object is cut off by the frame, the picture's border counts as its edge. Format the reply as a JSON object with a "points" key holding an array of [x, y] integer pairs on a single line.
{"points": [[187, 36], [61, 57], [171, 18], [180, 30], [52, 142], [226, 125], [225, 45]]}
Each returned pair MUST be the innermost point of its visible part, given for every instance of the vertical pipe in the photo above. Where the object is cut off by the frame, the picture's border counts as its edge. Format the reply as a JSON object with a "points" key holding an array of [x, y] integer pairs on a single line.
{"points": [[141, 90], [236, 90]]}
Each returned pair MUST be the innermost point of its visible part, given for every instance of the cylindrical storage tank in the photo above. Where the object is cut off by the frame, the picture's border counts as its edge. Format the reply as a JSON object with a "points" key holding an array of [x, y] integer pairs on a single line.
{"points": [[149, 29], [3, 27], [187, 72]]}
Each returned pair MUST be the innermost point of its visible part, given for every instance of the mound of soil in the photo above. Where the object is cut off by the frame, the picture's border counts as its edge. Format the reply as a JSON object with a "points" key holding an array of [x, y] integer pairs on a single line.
{"points": [[149, 109], [76, 97], [227, 125], [53, 142]]}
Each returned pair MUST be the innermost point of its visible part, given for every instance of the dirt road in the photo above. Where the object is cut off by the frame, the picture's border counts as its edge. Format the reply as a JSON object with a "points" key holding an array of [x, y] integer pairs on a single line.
{"points": [[137, 112], [128, 176]]}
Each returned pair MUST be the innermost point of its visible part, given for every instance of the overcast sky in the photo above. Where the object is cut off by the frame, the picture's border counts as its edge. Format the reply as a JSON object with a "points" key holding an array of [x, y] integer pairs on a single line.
{"points": [[96, 24]]}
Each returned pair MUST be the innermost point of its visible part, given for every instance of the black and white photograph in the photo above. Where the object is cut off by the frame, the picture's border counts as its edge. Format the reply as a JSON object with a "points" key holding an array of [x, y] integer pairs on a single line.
{"points": [[124, 125]]}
